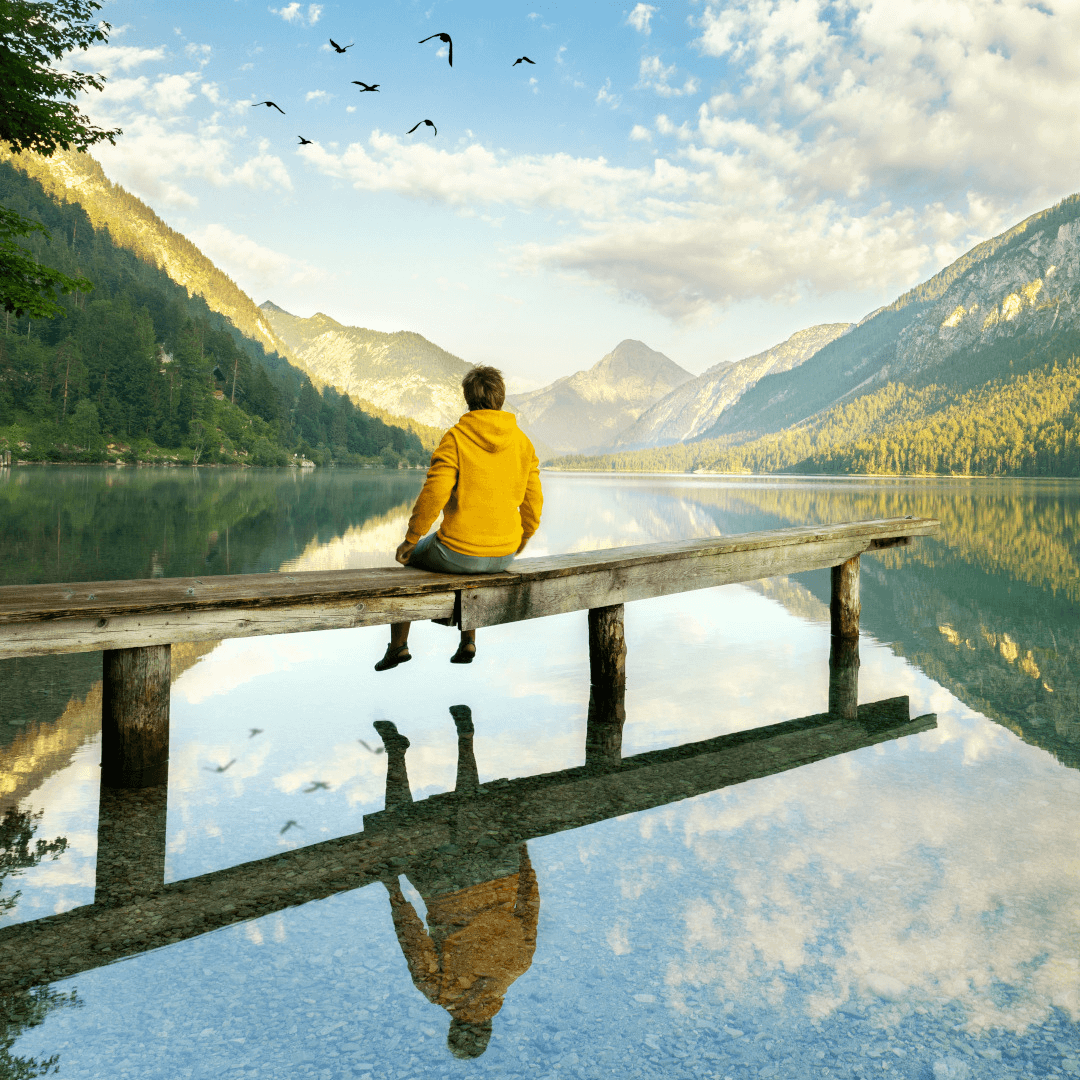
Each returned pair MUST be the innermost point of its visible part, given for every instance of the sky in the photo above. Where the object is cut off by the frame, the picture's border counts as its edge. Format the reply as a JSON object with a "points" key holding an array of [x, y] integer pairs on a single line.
{"points": [[706, 178]]}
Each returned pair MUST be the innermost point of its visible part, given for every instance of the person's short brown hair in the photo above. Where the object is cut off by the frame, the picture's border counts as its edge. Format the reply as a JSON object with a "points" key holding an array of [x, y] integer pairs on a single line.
{"points": [[484, 388]]}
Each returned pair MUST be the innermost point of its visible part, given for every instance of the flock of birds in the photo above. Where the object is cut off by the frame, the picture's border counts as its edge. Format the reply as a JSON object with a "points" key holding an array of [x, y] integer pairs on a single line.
{"points": [[374, 87], [316, 785]]}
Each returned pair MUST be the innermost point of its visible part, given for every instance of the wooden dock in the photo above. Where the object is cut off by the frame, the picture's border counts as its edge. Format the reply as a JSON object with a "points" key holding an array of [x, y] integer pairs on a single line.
{"points": [[134, 623]]}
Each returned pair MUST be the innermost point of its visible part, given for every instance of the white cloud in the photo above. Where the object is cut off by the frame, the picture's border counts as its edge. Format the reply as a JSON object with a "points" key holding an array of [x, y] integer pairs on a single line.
{"points": [[640, 134], [110, 58], [257, 268], [317, 95], [653, 74], [294, 12], [605, 97], [641, 17]]}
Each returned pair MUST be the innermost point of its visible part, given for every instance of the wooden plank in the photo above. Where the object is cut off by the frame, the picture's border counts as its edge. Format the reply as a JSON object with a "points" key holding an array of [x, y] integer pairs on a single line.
{"points": [[42, 637], [135, 716], [510, 811], [535, 597]]}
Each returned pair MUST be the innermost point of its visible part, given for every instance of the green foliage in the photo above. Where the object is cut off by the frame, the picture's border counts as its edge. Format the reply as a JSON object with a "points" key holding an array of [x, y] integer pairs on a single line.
{"points": [[26, 287], [167, 378], [1026, 425]]}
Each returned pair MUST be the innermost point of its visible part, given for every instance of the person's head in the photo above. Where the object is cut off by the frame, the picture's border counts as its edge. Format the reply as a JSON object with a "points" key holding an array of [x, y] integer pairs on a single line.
{"points": [[468, 1039], [484, 388]]}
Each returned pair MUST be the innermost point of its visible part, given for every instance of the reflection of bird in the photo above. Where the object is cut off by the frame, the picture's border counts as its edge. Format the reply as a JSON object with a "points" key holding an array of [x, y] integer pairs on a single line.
{"points": [[442, 37], [429, 124], [364, 86], [315, 786], [220, 768], [269, 105], [303, 141], [369, 749], [290, 824], [254, 731], [341, 48], [520, 58]]}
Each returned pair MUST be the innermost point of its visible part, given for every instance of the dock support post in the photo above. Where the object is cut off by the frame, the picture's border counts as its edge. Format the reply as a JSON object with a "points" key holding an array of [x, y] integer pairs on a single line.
{"points": [[131, 843], [844, 678], [845, 607], [135, 716], [607, 691]]}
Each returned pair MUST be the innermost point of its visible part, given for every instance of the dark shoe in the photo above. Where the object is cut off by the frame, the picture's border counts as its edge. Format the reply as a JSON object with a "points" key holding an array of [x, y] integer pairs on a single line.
{"points": [[462, 715], [395, 654], [465, 654], [392, 739]]}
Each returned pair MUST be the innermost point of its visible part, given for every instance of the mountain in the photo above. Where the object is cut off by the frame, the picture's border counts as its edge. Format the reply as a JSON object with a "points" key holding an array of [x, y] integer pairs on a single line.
{"points": [[1009, 305], [695, 406], [974, 372], [402, 373], [589, 408], [142, 367]]}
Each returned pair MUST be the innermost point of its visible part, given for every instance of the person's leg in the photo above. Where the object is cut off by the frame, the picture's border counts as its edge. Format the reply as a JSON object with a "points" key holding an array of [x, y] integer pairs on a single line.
{"points": [[468, 779], [466, 649], [398, 792], [397, 652]]}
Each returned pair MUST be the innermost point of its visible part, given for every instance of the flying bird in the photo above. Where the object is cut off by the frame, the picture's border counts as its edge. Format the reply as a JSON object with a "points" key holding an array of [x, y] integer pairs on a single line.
{"points": [[442, 37], [316, 785], [269, 105], [290, 824], [364, 86], [520, 58], [429, 124], [220, 768], [252, 732], [341, 48], [370, 750], [303, 142]]}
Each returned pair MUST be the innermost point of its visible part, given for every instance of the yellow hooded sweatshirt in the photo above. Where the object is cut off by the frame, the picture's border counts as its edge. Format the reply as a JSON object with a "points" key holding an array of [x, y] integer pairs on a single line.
{"points": [[485, 478]]}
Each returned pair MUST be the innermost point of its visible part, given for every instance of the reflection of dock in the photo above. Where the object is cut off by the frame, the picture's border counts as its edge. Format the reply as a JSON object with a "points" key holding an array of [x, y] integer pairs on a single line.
{"points": [[133, 912]]}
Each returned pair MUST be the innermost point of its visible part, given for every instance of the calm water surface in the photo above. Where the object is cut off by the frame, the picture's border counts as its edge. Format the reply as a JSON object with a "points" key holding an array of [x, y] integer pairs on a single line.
{"points": [[908, 906]]}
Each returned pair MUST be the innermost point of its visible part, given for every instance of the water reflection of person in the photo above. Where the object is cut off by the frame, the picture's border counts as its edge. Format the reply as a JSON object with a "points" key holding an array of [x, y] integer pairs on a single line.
{"points": [[482, 910]]}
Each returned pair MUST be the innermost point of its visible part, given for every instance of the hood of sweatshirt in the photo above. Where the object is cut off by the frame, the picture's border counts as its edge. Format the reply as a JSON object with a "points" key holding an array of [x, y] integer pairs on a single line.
{"points": [[490, 429]]}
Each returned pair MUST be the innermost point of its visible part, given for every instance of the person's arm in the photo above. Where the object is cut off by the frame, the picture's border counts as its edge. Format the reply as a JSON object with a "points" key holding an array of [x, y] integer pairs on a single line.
{"points": [[532, 504], [416, 944], [435, 494]]}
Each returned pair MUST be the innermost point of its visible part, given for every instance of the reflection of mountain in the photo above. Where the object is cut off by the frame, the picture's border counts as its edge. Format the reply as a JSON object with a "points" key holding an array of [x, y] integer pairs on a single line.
{"points": [[369, 544]]}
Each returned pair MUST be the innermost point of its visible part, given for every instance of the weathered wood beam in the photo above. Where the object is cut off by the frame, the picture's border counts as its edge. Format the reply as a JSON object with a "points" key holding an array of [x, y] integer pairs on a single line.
{"points": [[135, 716], [845, 607], [68, 635], [607, 690], [510, 811]]}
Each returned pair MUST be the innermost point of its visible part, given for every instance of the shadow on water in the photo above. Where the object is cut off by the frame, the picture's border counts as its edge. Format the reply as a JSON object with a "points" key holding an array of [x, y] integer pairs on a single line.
{"points": [[464, 851]]}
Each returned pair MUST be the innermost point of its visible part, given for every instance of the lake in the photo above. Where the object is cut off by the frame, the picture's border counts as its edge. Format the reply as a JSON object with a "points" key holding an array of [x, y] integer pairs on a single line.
{"points": [[910, 906]]}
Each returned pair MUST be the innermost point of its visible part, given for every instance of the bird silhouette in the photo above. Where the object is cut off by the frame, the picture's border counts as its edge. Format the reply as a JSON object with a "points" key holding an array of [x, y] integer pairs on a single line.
{"points": [[429, 124], [370, 749], [269, 105], [364, 86], [290, 824], [341, 48], [220, 768], [252, 732], [303, 141], [316, 785], [520, 58], [442, 37]]}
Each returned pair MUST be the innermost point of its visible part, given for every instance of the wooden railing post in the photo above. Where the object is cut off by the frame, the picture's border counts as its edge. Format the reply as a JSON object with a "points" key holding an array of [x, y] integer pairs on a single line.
{"points": [[131, 843], [845, 607], [844, 678], [135, 716], [607, 691]]}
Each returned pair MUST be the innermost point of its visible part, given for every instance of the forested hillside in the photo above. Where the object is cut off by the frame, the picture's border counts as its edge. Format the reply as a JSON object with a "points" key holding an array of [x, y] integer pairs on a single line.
{"points": [[1025, 426], [140, 369]]}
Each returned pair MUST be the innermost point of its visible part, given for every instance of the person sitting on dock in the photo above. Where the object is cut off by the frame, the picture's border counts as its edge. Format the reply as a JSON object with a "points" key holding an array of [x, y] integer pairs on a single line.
{"points": [[485, 479]]}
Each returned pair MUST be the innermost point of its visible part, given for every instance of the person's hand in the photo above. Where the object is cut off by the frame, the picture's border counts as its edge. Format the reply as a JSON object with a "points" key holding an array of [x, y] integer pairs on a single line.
{"points": [[521, 546], [404, 552]]}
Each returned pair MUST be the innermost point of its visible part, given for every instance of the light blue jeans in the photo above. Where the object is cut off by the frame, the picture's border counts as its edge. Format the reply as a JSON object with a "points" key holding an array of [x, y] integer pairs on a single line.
{"points": [[432, 554]]}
